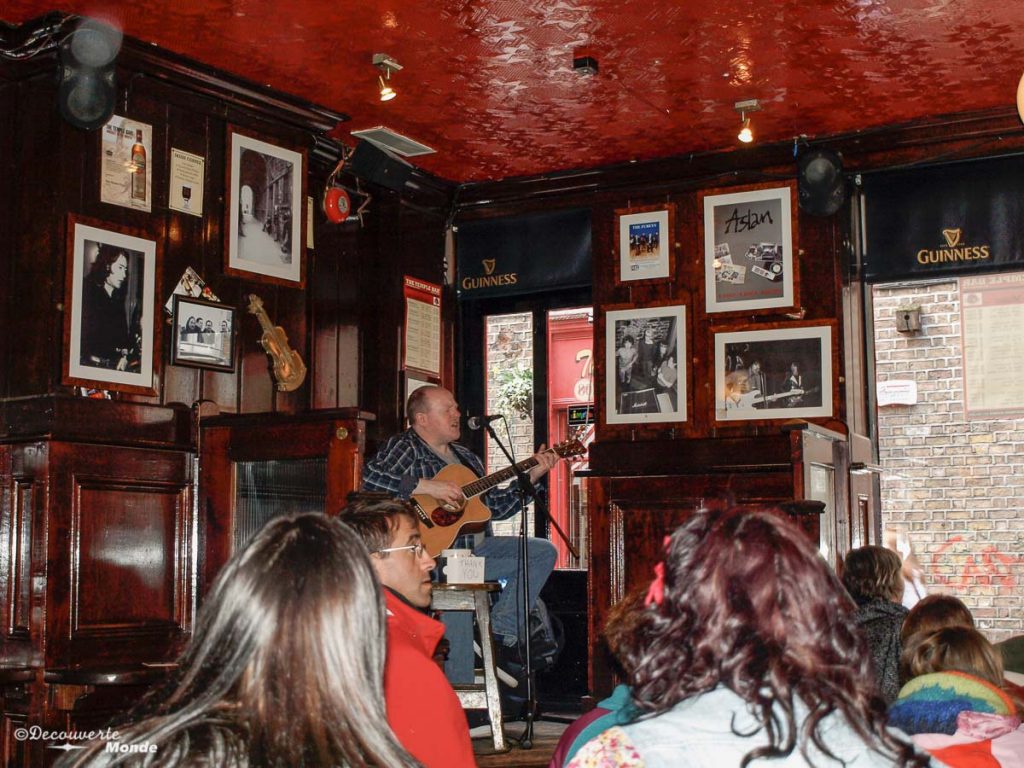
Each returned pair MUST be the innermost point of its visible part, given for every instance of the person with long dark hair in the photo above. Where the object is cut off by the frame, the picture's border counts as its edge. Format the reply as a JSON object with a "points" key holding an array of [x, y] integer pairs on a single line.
{"points": [[285, 667], [749, 652]]}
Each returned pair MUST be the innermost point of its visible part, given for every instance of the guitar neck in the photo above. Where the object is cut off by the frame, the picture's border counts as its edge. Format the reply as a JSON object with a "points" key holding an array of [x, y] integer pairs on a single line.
{"points": [[485, 484]]}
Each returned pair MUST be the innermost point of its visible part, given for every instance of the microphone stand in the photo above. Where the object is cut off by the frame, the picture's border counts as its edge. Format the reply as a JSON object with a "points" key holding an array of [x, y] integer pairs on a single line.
{"points": [[526, 490]]}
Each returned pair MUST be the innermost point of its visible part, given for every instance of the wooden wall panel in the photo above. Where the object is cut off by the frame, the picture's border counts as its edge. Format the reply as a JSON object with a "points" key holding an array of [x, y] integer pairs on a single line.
{"points": [[129, 545], [120, 543]]}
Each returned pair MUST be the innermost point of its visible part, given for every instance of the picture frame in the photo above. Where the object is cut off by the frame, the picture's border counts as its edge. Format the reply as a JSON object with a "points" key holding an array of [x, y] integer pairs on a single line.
{"points": [[212, 343], [644, 242], [266, 193], [646, 383], [775, 373], [111, 284], [750, 243]]}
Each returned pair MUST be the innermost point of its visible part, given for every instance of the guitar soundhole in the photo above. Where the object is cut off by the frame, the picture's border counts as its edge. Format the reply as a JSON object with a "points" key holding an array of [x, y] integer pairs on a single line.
{"points": [[443, 516]]}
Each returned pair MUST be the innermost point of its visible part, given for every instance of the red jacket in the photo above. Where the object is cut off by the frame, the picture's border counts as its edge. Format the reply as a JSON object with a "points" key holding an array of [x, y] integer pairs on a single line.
{"points": [[423, 710]]}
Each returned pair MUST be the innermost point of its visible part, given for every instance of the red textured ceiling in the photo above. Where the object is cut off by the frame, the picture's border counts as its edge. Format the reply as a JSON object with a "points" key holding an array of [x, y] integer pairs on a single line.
{"points": [[490, 84]]}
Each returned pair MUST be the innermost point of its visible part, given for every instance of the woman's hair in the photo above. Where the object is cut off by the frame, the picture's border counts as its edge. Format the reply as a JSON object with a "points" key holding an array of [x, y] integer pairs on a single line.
{"points": [[624, 618], [873, 573], [749, 604], [959, 649], [935, 612], [286, 663]]}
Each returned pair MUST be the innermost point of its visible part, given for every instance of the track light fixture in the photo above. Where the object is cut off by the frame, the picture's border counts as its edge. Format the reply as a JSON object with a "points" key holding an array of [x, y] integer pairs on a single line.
{"points": [[386, 65], [746, 135]]}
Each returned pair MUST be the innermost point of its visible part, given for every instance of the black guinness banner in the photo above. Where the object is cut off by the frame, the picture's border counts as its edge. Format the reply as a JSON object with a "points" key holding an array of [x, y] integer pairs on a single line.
{"points": [[523, 254], [951, 219]]}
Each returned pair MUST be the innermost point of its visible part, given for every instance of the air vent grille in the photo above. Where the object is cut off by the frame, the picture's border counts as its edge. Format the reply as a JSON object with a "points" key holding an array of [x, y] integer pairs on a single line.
{"points": [[387, 139]]}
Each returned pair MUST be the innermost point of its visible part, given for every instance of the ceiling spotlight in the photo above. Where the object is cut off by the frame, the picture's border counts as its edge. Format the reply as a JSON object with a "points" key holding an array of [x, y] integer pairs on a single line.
{"points": [[387, 93], [746, 135], [386, 65]]}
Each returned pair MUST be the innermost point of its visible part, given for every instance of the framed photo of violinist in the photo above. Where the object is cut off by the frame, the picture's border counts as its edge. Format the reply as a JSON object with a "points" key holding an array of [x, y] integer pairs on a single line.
{"points": [[204, 334]]}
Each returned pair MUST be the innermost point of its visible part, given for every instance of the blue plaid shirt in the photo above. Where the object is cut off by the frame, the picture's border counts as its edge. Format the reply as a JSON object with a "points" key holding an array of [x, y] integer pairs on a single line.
{"points": [[405, 459]]}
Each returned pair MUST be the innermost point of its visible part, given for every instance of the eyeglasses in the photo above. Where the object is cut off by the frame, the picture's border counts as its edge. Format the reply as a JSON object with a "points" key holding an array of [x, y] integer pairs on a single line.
{"points": [[417, 549]]}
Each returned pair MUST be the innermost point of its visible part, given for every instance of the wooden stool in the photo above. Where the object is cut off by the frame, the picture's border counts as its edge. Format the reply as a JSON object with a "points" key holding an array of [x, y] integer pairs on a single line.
{"points": [[477, 598]]}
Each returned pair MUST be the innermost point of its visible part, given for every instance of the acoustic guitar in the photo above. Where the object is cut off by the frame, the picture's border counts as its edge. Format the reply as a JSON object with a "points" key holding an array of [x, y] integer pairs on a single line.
{"points": [[440, 523]]}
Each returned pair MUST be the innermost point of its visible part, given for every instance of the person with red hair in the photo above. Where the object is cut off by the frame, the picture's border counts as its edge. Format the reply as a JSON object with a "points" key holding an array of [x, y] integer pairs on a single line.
{"points": [[749, 651]]}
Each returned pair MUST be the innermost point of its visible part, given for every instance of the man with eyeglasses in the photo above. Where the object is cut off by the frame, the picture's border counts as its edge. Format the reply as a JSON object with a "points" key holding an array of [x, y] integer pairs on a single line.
{"points": [[423, 710]]}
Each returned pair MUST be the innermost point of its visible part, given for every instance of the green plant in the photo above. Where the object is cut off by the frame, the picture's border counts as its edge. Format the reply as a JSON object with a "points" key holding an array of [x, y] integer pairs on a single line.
{"points": [[515, 391]]}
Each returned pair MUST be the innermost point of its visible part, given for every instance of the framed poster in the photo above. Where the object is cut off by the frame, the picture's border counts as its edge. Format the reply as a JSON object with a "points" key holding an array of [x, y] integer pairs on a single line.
{"points": [[643, 353], [775, 373], [748, 248], [265, 202], [645, 242], [204, 334], [109, 320]]}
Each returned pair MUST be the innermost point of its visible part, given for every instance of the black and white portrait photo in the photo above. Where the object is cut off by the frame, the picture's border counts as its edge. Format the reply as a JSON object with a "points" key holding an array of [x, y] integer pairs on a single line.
{"points": [[204, 334], [110, 318], [265, 212], [645, 352]]}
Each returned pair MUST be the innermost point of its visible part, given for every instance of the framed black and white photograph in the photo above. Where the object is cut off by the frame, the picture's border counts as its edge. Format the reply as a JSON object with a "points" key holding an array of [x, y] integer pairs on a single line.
{"points": [[109, 319], [775, 373], [266, 189], [645, 242], [749, 245], [204, 334], [645, 350]]}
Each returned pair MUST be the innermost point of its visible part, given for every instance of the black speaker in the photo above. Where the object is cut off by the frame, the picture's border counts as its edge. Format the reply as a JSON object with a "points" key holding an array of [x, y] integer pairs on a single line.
{"points": [[373, 164], [87, 89], [820, 180]]}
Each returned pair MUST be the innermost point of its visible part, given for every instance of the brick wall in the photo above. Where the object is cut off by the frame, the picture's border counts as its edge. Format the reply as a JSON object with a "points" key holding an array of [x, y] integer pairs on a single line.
{"points": [[509, 346], [953, 487]]}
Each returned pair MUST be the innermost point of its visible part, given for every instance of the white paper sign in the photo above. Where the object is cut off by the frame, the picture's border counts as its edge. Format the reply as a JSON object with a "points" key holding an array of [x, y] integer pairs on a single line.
{"points": [[185, 184], [897, 392]]}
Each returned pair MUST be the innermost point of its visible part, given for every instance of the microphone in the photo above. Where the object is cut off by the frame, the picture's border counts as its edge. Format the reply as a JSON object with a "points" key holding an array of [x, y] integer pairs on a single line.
{"points": [[477, 422]]}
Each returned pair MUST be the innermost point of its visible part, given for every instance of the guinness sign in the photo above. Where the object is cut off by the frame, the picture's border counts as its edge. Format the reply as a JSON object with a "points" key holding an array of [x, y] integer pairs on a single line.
{"points": [[964, 218], [953, 251], [523, 254]]}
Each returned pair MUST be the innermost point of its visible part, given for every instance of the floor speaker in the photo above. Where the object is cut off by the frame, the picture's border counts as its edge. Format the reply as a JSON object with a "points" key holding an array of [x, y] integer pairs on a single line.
{"points": [[373, 164]]}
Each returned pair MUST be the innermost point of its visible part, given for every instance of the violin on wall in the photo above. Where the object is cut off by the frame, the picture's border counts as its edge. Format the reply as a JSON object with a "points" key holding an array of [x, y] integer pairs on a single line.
{"points": [[289, 370]]}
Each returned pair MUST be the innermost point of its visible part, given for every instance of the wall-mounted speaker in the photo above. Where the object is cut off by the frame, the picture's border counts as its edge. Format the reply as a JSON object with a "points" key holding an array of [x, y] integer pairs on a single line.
{"points": [[820, 181], [87, 90], [373, 164]]}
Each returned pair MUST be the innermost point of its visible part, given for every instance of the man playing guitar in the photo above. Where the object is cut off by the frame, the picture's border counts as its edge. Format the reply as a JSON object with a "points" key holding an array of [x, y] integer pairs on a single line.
{"points": [[404, 466]]}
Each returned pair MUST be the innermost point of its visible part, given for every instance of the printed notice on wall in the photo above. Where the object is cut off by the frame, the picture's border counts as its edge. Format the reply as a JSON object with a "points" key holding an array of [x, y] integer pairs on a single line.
{"points": [[422, 325], [126, 170], [991, 319], [185, 192]]}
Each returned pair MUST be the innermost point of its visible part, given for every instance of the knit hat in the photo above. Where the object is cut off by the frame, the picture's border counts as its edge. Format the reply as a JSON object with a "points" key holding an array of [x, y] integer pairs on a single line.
{"points": [[930, 703]]}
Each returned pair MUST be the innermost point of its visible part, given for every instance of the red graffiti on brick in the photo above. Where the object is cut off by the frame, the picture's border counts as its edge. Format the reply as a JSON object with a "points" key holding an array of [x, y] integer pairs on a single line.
{"points": [[988, 568]]}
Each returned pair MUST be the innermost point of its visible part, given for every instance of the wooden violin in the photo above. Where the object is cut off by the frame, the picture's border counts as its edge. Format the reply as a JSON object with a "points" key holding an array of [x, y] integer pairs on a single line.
{"points": [[289, 370]]}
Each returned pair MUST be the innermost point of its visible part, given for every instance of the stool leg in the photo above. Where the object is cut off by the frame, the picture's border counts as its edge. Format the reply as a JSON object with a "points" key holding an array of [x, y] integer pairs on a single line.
{"points": [[483, 620]]}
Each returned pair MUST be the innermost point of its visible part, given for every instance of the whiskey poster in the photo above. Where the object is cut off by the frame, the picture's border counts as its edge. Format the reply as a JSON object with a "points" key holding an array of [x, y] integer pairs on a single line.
{"points": [[125, 170]]}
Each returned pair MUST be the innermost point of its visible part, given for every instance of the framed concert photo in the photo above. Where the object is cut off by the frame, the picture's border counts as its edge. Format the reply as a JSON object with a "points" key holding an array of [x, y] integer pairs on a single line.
{"points": [[645, 242], [749, 247], [110, 319], [204, 334], [775, 373], [645, 350], [266, 189]]}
